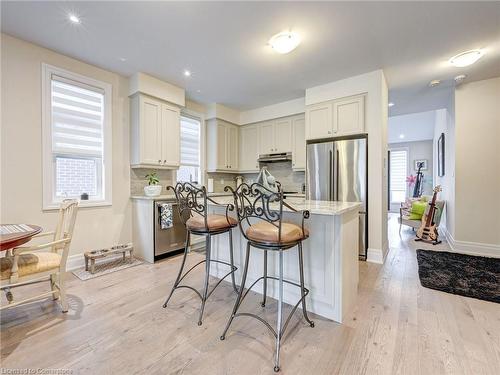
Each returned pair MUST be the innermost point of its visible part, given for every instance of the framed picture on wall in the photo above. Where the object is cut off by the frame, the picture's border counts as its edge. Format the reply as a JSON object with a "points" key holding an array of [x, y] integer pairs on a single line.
{"points": [[420, 162], [440, 155]]}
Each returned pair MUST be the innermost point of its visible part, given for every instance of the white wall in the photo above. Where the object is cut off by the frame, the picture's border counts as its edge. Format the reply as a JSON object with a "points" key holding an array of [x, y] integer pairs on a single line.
{"points": [[376, 111], [21, 143], [414, 126], [477, 175]]}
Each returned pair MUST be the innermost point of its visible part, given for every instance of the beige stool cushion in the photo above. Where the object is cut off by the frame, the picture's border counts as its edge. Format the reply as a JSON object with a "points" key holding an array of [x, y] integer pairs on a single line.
{"points": [[29, 263], [267, 233], [214, 222]]}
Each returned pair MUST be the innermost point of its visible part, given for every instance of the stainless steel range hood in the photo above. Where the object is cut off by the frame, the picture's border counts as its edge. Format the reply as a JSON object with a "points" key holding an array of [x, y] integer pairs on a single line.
{"points": [[272, 158]]}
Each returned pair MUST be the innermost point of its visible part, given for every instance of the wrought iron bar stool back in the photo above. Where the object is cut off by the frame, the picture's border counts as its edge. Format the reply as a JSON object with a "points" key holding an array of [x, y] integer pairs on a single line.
{"points": [[260, 218], [192, 203]]}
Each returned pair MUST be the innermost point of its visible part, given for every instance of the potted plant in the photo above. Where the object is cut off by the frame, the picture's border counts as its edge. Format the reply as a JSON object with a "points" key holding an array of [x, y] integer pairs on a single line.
{"points": [[152, 189]]}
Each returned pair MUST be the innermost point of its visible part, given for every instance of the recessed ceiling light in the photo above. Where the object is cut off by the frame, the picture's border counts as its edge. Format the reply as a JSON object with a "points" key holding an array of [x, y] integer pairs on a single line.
{"points": [[391, 104], [434, 83], [198, 90], [187, 73], [466, 58], [74, 18], [401, 136], [460, 78], [122, 59], [284, 42]]}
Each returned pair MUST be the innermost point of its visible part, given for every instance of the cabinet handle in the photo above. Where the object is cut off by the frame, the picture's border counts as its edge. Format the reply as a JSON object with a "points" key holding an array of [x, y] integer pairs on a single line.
{"points": [[165, 161], [159, 161]]}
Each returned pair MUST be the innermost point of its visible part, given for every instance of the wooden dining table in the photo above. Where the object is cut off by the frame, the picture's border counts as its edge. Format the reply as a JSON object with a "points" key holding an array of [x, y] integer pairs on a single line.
{"points": [[12, 235]]}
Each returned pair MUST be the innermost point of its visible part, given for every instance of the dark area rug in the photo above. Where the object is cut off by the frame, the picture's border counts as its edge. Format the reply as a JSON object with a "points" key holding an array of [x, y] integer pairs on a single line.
{"points": [[466, 275]]}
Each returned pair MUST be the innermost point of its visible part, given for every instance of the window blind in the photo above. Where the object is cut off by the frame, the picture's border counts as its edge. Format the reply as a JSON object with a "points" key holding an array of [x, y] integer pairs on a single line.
{"points": [[399, 170], [190, 142], [77, 118]]}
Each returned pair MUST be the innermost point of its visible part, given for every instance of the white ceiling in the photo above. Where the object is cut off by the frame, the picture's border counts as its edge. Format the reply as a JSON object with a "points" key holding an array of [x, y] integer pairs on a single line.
{"points": [[224, 44], [414, 127]]}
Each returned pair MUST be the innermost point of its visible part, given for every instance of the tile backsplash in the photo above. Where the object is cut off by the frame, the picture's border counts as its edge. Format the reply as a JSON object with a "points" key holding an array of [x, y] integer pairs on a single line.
{"points": [[282, 171], [138, 179]]}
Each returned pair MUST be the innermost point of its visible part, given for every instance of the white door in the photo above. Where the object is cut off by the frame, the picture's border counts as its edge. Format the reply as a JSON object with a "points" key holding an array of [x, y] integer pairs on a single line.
{"points": [[249, 148], [283, 135], [232, 147], [150, 131], [319, 122], [348, 116], [221, 147], [170, 136], [267, 138], [299, 144]]}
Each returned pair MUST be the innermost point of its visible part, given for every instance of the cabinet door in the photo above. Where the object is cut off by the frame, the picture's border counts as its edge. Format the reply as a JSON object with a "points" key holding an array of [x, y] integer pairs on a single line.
{"points": [[319, 122], [249, 148], [283, 135], [348, 116], [170, 136], [267, 138], [232, 147], [299, 144], [221, 146], [150, 131]]}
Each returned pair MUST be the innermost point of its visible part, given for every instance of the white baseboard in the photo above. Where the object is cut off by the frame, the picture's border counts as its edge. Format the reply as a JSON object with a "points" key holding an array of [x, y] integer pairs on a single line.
{"points": [[74, 262], [472, 248], [375, 256]]}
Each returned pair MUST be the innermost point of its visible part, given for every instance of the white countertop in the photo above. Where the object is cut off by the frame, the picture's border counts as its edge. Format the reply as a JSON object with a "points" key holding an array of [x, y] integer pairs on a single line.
{"points": [[314, 207], [172, 196]]}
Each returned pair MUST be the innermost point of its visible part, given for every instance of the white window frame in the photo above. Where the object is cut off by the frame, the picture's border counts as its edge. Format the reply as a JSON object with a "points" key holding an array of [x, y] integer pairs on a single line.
{"points": [[407, 174], [185, 112], [48, 164]]}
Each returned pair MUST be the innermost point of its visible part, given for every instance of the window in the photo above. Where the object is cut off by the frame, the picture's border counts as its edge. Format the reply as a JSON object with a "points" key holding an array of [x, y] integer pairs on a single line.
{"points": [[77, 138], [190, 166], [398, 173]]}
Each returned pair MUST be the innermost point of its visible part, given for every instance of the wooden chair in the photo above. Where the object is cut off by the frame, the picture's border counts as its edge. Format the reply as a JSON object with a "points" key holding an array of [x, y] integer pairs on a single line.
{"points": [[27, 265], [260, 218]]}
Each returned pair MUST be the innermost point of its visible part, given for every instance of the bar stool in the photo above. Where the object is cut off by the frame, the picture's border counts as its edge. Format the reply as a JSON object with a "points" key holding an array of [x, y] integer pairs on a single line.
{"points": [[260, 218], [192, 207]]}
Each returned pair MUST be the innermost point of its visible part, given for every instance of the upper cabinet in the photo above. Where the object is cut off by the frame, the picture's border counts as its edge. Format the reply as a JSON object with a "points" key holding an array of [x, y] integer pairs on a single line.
{"points": [[298, 144], [336, 118], [276, 136], [222, 146], [249, 148], [155, 128]]}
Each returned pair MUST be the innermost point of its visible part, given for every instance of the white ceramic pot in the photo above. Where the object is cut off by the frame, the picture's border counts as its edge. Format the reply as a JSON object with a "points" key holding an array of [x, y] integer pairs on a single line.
{"points": [[152, 190]]}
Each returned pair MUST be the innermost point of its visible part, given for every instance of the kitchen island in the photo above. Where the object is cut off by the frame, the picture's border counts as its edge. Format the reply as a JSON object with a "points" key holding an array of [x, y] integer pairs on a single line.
{"points": [[330, 256]]}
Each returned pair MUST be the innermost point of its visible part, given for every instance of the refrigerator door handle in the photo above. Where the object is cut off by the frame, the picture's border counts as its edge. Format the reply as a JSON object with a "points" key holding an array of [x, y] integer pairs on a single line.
{"points": [[337, 176], [330, 172]]}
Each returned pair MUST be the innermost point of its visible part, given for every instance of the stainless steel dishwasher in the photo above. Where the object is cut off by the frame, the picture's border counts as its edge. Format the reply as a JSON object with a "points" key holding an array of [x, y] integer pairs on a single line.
{"points": [[170, 239]]}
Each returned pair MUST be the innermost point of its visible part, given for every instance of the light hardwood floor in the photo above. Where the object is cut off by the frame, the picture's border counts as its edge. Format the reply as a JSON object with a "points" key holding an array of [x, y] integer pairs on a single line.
{"points": [[116, 325]]}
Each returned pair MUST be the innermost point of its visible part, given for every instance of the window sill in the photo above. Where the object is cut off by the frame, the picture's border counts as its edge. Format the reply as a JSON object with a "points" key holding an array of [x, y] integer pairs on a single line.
{"points": [[81, 204]]}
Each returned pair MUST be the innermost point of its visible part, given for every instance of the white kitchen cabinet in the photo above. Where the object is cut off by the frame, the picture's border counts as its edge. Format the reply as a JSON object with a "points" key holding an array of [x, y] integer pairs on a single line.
{"points": [[155, 133], [249, 148], [276, 136], [298, 143], [336, 118], [222, 146], [348, 116], [319, 122], [267, 138]]}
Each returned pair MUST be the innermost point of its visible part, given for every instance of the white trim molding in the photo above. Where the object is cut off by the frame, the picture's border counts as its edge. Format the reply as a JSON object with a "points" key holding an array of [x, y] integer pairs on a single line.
{"points": [[375, 256], [471, 248], [74, 262]]}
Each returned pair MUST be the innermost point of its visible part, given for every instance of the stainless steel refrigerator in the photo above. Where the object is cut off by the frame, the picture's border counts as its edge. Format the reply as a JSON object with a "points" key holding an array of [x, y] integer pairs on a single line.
{"points": [[337, 171]]}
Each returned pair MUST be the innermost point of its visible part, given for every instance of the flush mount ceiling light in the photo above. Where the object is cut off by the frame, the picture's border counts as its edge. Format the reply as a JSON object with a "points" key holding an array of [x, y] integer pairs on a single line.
{"points": [[391, 104], [187, 73], [73, 18], [434, 83], [284, 42], [466, 58]]}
